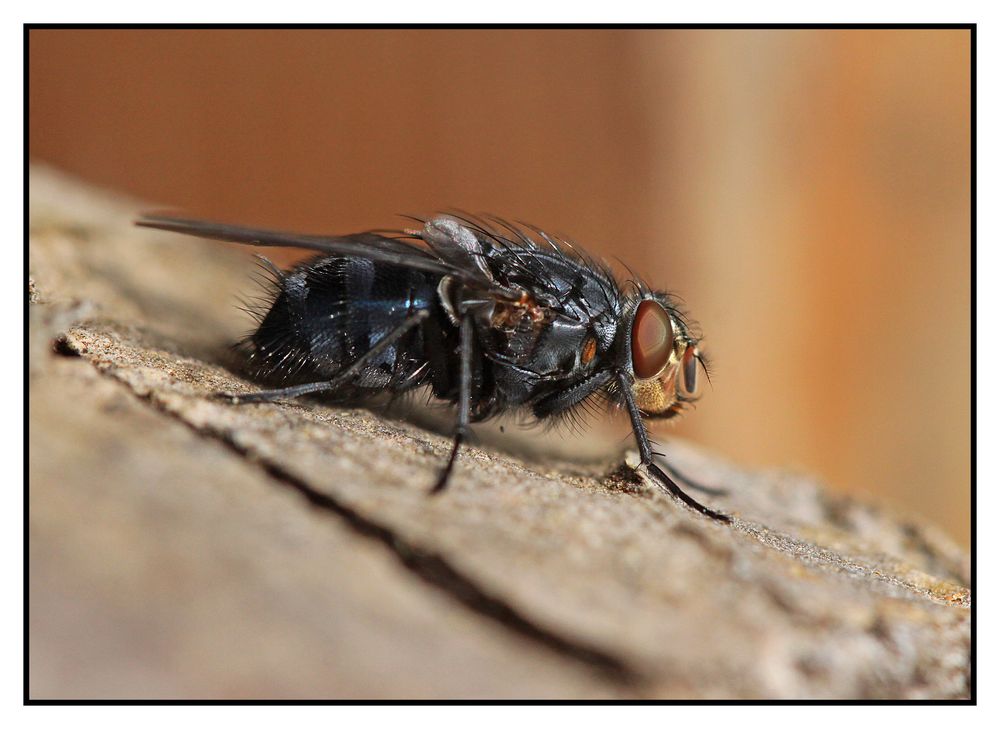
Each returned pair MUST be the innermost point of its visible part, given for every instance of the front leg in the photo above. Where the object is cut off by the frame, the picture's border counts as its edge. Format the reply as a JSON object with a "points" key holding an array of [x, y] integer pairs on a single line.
{"points": [[464, 400], [646, 456], [690, 482]]}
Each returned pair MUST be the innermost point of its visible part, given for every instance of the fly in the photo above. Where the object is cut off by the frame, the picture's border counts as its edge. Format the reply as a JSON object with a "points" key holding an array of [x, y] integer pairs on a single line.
{"points": [[491, 316]]}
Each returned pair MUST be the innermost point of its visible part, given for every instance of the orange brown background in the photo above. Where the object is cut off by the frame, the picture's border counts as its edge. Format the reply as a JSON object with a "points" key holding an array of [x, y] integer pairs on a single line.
{"points": [[806, 192]]}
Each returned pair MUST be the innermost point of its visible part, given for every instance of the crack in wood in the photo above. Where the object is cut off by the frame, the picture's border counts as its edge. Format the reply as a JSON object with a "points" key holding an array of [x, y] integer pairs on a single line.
{"points": [[431, 568]]}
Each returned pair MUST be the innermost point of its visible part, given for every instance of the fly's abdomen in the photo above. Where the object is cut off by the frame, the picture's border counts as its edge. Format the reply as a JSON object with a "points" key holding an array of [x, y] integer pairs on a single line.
{"points": [[331, 311]]}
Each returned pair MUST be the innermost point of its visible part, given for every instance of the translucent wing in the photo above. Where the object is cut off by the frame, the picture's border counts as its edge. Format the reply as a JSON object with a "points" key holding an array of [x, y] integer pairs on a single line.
{"points": [[372, 246]]}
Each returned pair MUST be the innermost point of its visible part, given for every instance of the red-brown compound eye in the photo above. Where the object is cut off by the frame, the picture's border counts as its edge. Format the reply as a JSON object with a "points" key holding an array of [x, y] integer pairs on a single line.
{"points": [[652, 339]]}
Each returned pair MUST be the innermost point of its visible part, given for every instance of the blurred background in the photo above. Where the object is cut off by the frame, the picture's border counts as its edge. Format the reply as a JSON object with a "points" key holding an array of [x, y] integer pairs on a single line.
{"points": [[806, 192]]}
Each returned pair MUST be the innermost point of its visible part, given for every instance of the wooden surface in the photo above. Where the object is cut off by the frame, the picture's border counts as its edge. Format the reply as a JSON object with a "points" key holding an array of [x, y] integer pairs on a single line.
{"points": [[184, 547]]}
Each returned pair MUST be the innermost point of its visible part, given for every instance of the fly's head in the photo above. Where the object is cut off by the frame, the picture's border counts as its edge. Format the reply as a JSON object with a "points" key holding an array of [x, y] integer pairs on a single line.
{"points": [[662, 355]]}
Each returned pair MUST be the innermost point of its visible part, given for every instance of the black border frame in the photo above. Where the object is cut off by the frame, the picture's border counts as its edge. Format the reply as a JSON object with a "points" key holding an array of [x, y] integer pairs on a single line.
{"points": [[971, 27]]}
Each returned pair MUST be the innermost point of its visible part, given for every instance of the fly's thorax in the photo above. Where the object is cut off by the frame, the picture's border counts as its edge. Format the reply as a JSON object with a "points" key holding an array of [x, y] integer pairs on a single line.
{"points": [[540, 340]]}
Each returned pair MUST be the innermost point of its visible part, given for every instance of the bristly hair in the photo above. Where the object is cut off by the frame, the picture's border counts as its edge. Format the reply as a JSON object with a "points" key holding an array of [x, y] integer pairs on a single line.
{"points": [[514, 235], [258, 364], [269, 279], [576, 419], [518, 234]]}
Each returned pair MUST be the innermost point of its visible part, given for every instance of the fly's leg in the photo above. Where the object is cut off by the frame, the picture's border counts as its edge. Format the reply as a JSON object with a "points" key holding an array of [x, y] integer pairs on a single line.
{"points": [[691, 483], [286, 393], [464, 401], [646, 456]]}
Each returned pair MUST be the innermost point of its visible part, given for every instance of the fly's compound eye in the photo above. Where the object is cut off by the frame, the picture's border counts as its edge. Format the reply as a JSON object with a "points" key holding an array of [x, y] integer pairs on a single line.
{"points": [[689, 366], [652, 339]]}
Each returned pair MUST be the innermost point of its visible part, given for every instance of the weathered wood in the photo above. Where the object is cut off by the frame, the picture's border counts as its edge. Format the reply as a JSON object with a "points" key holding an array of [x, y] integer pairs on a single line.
{"points": [[181, 546]]}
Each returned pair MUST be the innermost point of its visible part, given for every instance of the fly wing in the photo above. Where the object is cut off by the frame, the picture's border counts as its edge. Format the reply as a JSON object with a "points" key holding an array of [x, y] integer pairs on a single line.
{"points": [[363, 245]]}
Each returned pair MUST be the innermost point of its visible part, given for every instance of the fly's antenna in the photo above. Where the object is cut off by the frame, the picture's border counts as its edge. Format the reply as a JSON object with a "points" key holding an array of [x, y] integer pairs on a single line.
{"points": [[707, 366]]}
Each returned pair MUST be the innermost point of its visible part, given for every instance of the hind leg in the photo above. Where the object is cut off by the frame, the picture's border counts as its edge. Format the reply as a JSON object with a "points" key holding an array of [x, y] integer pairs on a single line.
{"points": [[342, 378], [284, 393]]}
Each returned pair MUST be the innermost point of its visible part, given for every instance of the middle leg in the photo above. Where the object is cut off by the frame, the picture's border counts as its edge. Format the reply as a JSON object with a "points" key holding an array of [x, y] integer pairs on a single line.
{"points": [[464, 401]]}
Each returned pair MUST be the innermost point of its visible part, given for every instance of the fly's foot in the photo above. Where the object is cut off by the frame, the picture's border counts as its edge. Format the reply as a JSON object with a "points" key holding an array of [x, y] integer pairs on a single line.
{"points": [[690, 482], [234, 398], [668, 486]]}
